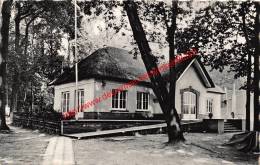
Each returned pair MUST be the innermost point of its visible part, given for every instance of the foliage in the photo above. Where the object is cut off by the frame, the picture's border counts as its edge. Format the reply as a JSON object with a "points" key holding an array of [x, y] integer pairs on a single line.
{"points": [[42, 26], [218, 33]]}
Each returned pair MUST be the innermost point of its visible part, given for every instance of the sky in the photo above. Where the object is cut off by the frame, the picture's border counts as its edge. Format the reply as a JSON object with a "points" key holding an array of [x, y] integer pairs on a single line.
{"points": [[92, 31]]}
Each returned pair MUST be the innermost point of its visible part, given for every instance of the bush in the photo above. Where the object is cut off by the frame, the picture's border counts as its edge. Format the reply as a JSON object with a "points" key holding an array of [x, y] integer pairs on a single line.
{"points": [[68, 115], [210, 115], [47, 113]]}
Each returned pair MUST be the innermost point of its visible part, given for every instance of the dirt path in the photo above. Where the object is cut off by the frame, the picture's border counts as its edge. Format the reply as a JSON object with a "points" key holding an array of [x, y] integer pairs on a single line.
{"points": [[59, 152], [22, 146]]}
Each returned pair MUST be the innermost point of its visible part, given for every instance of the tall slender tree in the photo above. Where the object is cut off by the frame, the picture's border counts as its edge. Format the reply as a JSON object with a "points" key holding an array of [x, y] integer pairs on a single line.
{"points": [[165, 97], [6, 14], [250, 141], [244, 10], [256, 68]]}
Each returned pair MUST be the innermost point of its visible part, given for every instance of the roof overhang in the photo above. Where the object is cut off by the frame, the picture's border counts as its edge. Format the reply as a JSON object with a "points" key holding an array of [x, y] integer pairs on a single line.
{"points": [[201, 71], [204, 74]]}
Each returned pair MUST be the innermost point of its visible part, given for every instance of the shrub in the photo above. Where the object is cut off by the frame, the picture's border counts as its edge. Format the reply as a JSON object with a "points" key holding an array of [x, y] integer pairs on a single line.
{"points": [[68, 115], [210, 115]]}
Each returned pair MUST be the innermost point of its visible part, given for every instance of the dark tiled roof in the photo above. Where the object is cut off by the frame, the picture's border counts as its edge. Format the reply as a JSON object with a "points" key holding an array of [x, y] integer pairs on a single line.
{"points": [[113, 64]]}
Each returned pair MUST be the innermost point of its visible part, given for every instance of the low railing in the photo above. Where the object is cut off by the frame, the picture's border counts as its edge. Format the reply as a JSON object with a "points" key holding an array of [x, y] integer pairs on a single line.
{"points": [[93, 125], [41, 123]]}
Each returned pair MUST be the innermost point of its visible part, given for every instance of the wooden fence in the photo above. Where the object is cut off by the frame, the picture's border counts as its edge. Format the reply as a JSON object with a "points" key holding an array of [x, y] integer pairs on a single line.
{"points": [[52, 124], [40, 123]]}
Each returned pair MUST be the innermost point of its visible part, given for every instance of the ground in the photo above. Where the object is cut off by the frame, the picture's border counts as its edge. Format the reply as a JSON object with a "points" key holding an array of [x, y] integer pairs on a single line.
{"points": [[151, 149], [22, 146], [32, 147]]}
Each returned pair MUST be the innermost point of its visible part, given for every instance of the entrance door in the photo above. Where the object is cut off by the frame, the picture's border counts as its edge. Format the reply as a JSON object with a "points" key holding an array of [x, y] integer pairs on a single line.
{"points": [[189, 105]]}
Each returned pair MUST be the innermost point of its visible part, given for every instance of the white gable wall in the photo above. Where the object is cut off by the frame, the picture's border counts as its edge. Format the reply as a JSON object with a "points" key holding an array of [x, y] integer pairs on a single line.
{"points": [[191, 78]]}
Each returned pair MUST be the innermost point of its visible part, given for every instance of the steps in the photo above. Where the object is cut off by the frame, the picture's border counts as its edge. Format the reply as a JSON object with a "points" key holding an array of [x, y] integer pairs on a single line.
{"points": [[229, 127]]}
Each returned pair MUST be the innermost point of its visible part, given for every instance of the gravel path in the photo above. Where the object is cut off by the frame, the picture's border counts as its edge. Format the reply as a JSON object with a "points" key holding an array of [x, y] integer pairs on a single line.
{"points": [[21, 146]]}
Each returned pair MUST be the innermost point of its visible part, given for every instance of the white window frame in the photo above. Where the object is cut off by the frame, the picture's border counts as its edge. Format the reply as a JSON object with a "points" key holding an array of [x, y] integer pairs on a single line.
{"points": [[81, 98], [189, 101], [142, 101], [119, 93], [65, 108], [209, 105]]}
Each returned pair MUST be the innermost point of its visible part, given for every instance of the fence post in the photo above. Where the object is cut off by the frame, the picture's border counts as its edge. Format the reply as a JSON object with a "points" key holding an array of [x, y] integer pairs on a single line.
{"points": [[61, 129], [43, 122]]}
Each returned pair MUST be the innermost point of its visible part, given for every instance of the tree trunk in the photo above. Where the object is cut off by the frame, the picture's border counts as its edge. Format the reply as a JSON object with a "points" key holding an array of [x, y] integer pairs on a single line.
{"points": [[256, 70], [248, 93], [14, 93], [18, 52], [174, 117], [27, 34], [158, 83], [249, 141], [6, 13], [249, 70]]}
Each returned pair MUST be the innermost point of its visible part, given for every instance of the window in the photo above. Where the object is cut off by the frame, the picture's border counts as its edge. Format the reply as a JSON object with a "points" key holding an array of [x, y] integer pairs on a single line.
{"points": [[189, 103], [142, 101], [65, 101], [209, 105], [80, 98], [119, 99]]}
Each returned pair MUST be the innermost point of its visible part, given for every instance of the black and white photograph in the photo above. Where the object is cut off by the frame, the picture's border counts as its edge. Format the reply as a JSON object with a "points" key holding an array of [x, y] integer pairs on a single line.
{"points": [[129, 82]]}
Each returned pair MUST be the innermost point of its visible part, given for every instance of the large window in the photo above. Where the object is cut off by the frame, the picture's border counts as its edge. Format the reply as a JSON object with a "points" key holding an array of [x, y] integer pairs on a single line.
{"points": [[80, 98], [65, 101], [142, 100], [119, 99], [209, 105], [189, 103]]}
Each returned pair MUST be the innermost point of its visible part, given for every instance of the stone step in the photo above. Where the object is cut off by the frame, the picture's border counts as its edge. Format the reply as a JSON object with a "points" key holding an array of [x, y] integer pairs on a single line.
{"points": [[233, 130], [229, 127], [228, 124]]}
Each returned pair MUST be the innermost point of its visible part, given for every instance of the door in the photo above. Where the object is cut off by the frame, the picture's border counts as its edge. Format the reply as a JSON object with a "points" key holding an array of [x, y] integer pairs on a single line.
{"points": [[189, 105]]}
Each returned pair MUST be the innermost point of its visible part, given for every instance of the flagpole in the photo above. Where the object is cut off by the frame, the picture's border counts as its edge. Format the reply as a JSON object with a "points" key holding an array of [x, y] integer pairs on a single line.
{"points": [[76, 60]]}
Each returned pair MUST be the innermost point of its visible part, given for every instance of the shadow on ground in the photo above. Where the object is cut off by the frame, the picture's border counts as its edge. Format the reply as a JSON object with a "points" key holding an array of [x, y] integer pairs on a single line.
{"points": [[151, 149]]}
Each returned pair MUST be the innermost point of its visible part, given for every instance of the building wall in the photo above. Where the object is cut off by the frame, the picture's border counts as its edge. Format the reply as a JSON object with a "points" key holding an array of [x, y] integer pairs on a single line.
{"points": [[87, 85], [96, 88], [217, 114], [106, 105], [190, 79], [236, 102]]}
